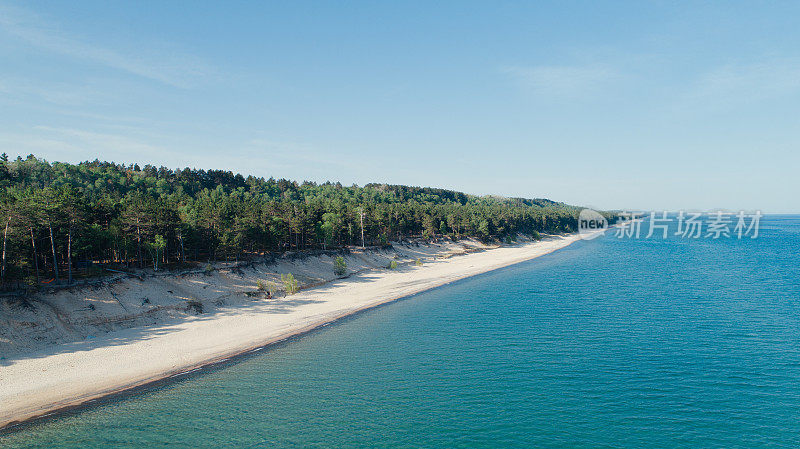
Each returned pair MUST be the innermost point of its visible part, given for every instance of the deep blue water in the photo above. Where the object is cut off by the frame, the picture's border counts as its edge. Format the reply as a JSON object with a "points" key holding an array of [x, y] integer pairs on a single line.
{"points": [[607, 343]]}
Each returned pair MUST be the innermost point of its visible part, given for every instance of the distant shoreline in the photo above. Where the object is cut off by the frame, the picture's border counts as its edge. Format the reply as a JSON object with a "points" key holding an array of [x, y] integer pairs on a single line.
{"points": [[49, 382]]}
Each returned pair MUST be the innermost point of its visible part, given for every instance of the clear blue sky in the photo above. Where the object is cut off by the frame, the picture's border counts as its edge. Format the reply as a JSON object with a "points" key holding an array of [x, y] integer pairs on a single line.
{"points": [[608, 104]]}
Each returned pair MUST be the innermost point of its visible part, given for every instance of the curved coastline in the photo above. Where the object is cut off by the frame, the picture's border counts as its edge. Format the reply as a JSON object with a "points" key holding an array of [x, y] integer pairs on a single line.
{"points": [[176, 350]]}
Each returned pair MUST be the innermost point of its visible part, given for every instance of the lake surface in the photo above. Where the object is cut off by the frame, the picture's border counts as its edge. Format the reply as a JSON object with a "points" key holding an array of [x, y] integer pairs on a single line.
{"points": [[607, 343]]}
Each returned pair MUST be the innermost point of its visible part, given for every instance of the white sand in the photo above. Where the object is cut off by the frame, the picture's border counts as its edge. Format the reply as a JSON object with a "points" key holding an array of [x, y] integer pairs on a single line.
{"points": [[69, 374]]}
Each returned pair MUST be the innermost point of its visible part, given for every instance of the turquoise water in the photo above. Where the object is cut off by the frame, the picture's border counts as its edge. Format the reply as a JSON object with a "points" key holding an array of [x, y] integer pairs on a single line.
{"points": [[607, 343]]}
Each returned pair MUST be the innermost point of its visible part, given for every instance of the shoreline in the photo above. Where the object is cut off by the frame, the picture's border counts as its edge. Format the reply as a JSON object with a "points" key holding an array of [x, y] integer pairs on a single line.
{"points": [[29, 394]]}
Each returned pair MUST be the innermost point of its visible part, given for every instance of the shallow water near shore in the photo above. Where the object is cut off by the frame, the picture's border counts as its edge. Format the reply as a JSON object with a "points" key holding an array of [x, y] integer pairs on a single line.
{"points": [[606, 343]]}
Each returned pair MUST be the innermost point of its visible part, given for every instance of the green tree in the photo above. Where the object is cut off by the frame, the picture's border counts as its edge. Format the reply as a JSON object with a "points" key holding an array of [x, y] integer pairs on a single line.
{"points": [[100, 212], [290, 284], [339, 266], [156, 247]]}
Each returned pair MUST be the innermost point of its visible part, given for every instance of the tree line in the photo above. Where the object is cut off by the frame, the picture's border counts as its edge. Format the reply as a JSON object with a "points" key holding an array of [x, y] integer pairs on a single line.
{"points": [[62, 220]]}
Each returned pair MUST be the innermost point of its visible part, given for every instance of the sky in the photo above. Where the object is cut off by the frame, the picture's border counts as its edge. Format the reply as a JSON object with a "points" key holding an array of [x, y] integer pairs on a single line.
{"points": [[612, 105]]}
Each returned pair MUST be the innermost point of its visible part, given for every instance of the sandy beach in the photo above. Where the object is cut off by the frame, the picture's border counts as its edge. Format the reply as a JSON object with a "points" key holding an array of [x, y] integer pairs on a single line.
{"points": [[61, 376]]}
